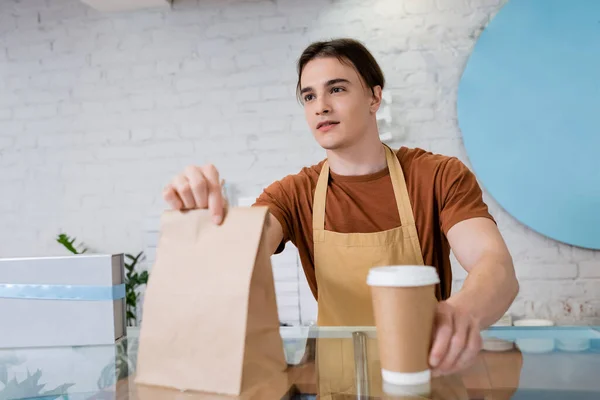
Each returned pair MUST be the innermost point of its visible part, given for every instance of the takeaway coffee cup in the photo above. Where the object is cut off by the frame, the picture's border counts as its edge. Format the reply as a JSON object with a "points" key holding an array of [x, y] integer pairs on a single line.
{"points": [[404, 305]]}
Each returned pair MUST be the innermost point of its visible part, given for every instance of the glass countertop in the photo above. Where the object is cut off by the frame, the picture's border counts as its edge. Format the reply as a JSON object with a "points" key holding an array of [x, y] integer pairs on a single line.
{"points": [[561, 362]]}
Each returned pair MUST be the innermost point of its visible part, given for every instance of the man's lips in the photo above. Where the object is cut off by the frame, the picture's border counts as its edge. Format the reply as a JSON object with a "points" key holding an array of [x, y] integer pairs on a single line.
{"points": [[326, 124]]}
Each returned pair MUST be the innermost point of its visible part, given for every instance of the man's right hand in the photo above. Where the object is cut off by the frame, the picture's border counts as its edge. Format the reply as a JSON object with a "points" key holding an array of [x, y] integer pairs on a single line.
{"points": [[197, 187]]}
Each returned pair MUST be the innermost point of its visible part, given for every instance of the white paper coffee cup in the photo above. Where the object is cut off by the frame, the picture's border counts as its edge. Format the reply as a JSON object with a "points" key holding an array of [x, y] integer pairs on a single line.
{"points": [[404, 307]]}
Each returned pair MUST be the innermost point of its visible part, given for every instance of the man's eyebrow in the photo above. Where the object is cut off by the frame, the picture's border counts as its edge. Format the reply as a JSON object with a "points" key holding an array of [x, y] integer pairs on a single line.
{"points": [[329, 83], [337, 80]]}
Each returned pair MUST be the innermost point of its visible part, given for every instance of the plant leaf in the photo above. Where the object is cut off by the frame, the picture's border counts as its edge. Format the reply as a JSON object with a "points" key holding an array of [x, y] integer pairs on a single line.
{"points": [[131, 299], [131, 283], [68, 242], [144, 277], [139, 257]]}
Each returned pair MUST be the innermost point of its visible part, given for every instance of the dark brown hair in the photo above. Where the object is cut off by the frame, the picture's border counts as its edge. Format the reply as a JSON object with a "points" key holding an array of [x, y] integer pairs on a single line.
{"points": [[348, 51]]}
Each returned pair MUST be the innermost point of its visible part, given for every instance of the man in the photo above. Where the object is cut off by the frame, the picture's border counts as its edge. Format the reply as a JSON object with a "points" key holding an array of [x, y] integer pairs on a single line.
{"points": [[403, 207]]}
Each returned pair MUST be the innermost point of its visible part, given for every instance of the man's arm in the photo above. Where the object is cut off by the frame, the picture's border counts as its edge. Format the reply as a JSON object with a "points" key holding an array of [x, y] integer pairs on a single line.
{"points": [[274, 234], [490, 288], [491, 284]]}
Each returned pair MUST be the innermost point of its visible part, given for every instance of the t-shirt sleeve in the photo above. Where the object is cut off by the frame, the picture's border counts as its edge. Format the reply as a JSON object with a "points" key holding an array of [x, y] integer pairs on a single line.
{"points": [[279, 202], [460, 196]]}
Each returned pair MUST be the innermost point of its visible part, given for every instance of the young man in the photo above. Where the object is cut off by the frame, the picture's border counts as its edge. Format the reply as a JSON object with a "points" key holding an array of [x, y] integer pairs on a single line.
{"points": [[366, 205]]}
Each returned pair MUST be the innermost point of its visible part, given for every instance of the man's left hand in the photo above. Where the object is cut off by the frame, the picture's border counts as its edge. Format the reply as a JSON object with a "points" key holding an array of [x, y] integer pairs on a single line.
{"points": [[456, 340]]}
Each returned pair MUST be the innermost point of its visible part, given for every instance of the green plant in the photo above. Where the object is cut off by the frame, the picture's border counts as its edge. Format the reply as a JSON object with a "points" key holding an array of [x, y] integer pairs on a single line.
{"points": [[66, 241], [133, 280]]}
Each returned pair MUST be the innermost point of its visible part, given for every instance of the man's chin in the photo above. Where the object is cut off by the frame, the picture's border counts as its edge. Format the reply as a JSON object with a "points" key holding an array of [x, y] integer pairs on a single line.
{"points": [[330, 143]]}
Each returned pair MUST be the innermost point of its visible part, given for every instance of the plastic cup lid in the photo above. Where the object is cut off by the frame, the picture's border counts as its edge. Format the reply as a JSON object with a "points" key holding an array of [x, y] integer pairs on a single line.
{"points": [[403, 276]]}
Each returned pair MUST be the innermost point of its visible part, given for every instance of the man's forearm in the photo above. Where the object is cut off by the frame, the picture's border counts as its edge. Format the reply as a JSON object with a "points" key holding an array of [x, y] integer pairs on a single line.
{"points": [[488, 291]]}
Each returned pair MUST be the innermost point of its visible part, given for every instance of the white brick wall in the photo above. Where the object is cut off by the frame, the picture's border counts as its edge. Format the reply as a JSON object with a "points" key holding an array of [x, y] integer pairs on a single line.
{"points": [[98, 111]]}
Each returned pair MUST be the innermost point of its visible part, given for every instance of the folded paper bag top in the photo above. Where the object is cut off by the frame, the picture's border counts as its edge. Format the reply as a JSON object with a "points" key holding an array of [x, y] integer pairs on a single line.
{"points": [[210, 319]]}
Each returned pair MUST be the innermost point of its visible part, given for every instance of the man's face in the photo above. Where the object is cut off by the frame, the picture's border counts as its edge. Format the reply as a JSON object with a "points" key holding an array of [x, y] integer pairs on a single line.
{"points": [[337, 104]]}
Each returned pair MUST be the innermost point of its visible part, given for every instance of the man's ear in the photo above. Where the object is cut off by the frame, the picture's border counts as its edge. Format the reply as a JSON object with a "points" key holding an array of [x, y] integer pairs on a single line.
{"points": [[376, 99]]}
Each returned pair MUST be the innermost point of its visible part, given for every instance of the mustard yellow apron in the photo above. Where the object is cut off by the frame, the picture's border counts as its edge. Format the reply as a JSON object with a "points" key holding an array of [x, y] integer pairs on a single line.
{"points": [[342, 262]]}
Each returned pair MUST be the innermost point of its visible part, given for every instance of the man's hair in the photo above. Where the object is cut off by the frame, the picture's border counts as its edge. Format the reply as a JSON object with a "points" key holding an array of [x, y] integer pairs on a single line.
{"points": [[348, 51]]}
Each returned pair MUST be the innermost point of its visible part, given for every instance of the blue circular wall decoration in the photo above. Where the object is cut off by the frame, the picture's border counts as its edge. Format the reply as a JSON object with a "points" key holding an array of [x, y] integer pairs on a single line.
{"points": [[529, 111]]}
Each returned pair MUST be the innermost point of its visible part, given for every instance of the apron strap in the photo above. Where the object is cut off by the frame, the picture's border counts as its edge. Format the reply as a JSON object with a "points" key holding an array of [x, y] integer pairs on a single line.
{"points": [[399, 186], [319, 198], [407, 217]]}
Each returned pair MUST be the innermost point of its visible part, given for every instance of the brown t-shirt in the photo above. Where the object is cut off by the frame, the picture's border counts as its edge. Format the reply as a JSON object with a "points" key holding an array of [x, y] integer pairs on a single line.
{"points": [[442, 190]]}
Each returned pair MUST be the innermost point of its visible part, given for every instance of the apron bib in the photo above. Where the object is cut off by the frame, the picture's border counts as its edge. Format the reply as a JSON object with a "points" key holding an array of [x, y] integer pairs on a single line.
{"points": [[342, 262]]}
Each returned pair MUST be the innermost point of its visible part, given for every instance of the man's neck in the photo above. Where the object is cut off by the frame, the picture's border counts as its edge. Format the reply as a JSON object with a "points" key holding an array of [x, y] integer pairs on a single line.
{"points": [[366, 157]]}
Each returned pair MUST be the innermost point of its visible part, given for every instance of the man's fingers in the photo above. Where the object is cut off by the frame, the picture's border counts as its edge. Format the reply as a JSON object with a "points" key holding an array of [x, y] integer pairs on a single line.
{"points": [[457, 343], [171, 197], [215, 196], [182, 185], [198, 186], [474, 345], [443, 333]]}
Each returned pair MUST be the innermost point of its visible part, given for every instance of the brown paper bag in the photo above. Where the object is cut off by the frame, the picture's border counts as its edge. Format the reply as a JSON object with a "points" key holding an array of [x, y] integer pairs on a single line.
{"points": [[210, 315]]}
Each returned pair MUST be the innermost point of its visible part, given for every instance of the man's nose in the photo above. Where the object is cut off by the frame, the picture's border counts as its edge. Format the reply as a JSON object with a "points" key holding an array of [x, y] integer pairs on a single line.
{"points": [[323, 107]]}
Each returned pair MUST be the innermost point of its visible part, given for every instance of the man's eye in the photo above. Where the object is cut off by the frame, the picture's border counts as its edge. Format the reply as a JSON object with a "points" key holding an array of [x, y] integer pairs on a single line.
{"points": [[308, 97], [337, 89]]}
